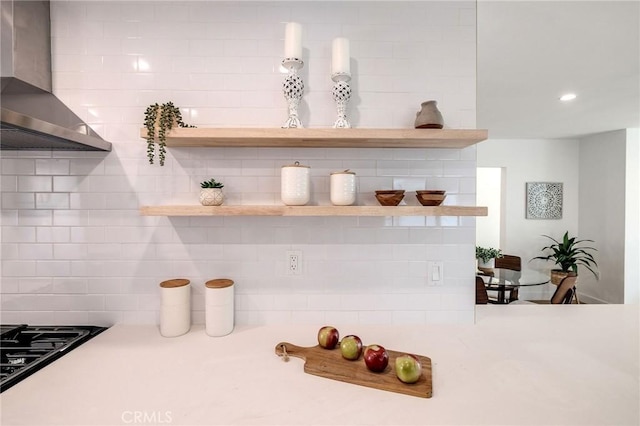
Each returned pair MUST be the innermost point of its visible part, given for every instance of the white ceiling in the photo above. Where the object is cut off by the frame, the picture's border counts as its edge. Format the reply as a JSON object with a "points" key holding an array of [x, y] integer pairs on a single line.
{"points": [[531, 52]]}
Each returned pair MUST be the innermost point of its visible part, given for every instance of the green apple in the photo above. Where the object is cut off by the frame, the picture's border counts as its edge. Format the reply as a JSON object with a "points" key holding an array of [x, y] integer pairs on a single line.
{"points": [[408, 368], [351, 347]]}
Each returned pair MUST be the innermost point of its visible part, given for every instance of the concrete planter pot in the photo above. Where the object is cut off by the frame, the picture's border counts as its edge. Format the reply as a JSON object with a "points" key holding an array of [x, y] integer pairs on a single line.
{"points": [[211, 196]]}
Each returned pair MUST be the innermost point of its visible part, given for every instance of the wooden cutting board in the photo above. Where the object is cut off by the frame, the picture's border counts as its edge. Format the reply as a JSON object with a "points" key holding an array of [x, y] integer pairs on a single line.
{"points": [[330, 364]]}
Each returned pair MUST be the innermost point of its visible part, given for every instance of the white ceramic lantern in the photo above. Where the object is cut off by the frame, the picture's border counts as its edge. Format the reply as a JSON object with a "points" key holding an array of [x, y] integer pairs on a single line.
{"points": [[295, 184]]}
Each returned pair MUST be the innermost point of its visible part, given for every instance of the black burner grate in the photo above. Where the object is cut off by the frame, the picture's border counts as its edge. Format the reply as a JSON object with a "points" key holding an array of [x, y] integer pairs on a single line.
{"points": [[25, 349]]}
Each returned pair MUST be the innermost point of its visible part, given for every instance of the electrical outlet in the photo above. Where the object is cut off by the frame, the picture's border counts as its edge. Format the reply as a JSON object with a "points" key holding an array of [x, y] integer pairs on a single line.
{"points": [[435, 273], [293, 262]]}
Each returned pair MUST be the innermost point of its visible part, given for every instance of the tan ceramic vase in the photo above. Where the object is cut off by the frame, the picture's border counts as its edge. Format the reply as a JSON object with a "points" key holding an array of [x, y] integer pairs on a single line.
{"points": [[429, 117]]}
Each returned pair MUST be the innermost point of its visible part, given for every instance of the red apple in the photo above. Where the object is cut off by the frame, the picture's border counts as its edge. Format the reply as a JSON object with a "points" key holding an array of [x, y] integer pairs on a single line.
{"points": [[351, 347], [376, 358], [408, 368], [328, 337]]}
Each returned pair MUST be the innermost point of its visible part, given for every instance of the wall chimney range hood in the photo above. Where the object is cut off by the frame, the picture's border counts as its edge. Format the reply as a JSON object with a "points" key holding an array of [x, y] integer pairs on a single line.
{"points": [[32, 117]]}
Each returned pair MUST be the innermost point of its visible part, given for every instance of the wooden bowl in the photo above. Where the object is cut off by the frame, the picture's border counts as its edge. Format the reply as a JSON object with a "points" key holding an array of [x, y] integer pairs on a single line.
{"points": [[390, 197], [431, 191], [430, 198]]}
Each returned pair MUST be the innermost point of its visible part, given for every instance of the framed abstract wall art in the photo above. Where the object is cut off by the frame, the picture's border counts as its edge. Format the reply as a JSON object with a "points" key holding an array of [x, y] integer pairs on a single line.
{"points": [[544, 200]]}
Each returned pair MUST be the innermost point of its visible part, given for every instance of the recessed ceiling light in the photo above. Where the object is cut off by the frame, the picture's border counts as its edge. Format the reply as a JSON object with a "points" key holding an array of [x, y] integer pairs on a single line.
{"points": [[568, 97]]}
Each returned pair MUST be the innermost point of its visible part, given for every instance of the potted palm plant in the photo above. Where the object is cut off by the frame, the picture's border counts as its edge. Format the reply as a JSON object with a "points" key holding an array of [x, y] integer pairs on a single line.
{"points": [[211, 193], [487, 257], [158, 120], [568, 254]]}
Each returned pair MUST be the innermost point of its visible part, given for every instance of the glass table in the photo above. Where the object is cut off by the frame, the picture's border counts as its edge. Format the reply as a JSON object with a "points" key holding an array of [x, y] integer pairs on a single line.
{"points": [[503, 280]]}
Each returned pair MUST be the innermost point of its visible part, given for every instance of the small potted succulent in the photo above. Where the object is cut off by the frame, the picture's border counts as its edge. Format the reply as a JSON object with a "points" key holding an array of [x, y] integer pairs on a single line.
{"points": [[163, 118], [568, 254], [211, 193], [487, 257]]}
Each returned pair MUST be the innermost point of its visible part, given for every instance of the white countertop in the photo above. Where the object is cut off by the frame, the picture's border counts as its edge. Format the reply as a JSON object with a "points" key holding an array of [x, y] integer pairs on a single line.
{"points": [[524, 365]]}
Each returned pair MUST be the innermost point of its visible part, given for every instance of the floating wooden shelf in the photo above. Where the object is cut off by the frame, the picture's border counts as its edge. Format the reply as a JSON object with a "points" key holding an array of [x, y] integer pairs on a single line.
{"points": [[323, 138], [196, 210]]}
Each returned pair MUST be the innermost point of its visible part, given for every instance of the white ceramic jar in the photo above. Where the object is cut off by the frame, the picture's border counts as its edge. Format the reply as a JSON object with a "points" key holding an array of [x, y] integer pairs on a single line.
{"points": [[295, 184], [343, 188], [175, 308], [219, 307]]}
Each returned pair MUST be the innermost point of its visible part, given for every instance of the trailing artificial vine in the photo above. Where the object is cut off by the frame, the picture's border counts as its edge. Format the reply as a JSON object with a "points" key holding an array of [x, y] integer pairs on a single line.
{"points": [[169, 114]]}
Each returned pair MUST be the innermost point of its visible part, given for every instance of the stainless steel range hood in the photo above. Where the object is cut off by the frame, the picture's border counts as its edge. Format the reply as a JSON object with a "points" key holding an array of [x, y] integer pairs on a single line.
{"points": [[32, 117]]}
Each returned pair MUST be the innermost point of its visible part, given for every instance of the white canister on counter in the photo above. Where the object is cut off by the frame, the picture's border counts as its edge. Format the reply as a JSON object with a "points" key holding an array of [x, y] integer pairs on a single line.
{"points": [[295, 184], [343, 188], [175, 308], [219, 307]]}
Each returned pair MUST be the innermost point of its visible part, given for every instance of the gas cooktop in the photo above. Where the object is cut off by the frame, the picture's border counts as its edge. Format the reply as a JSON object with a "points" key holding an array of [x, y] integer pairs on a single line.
{"points": [[25, 349]]}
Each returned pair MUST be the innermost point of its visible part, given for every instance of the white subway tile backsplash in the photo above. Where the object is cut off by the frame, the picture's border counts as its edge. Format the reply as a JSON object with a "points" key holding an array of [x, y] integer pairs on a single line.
{"points": [[71, 219], [408, 317], [375, 317], [76, 184], [37, 302], [10, 251], [52, 167], [79, 201], [49, 234], [35, 217], [121, 302], [70, 251], [53, 268], [70, 318], [308, 317], [86, 166], [35, 285], [8, 183], [89, 234], [54, 201], [9, 286], [104, 286], [19, 234], [36, 251], [18, 268], [68, 285], [104, 251], [16, 200], [15, 166], [87, 302]]}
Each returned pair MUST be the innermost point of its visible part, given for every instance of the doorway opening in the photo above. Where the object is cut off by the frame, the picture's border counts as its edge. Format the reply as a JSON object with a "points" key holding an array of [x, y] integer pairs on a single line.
{"points": [[489, 192]]}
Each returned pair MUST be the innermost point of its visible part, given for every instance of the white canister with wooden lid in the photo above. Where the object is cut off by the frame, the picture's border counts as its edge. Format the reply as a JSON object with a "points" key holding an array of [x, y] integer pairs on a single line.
{"points": [[175, 307], [343, 188], [295, 184], [219, 307]]}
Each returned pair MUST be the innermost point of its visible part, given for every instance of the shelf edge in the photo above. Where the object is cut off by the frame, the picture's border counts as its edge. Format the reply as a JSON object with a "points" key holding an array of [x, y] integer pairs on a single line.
{"points": [[277, 210]]}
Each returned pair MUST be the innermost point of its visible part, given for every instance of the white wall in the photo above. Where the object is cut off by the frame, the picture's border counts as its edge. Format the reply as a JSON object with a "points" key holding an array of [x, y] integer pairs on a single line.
{"points": [[533, 160], [632, 218], [489, 194], [602, 212], [76, 250]]}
